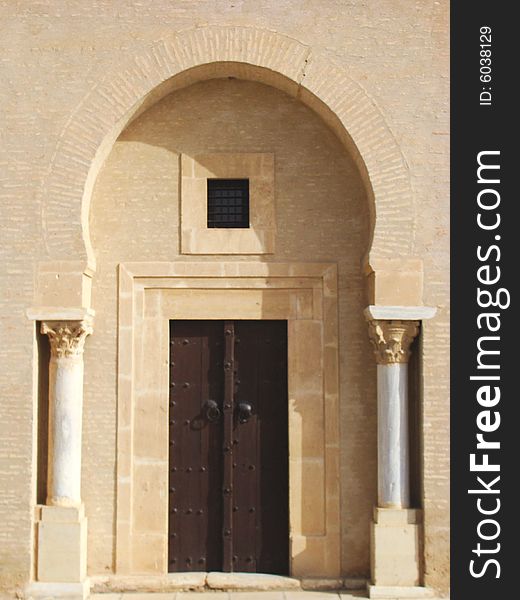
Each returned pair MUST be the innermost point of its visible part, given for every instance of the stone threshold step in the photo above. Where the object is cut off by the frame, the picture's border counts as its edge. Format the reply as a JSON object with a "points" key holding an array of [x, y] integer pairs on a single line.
{"points": [[193, 581], [200, 581]]}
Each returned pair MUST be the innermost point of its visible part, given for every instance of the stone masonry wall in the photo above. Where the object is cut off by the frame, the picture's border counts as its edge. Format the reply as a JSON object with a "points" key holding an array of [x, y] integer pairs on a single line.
{"points": [[54, 54]]}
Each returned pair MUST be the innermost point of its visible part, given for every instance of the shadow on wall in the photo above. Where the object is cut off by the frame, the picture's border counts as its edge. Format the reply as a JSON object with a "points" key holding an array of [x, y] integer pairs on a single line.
{"points": [[44, 355], [317, 183]]}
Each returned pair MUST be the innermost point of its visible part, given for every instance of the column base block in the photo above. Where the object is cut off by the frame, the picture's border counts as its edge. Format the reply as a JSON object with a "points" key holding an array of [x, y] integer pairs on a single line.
{"points": [[395, 549], [40, 590], [387, 592], [62, 545]]}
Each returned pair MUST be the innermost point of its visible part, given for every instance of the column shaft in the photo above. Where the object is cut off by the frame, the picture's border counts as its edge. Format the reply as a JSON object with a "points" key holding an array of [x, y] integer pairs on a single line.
{"points": [[391, 340], [65, 428], [392, 436], [67, 339]]}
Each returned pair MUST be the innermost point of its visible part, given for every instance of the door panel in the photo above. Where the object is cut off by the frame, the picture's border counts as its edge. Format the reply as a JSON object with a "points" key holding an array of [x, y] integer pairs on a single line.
{"points": [[195, 498], [229, 465], [261, 513]]}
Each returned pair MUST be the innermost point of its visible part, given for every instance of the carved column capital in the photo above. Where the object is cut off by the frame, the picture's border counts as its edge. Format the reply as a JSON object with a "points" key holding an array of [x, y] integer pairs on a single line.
{"points": [[392, 339], [67, 338]]}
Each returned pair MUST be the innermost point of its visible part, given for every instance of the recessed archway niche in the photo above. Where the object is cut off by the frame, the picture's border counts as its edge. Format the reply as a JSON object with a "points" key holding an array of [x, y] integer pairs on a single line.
{"points": [[136, 82]]}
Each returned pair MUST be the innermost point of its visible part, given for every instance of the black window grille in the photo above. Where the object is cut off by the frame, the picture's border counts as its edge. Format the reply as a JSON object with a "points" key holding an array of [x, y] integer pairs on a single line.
{"points": [[228, 203]]}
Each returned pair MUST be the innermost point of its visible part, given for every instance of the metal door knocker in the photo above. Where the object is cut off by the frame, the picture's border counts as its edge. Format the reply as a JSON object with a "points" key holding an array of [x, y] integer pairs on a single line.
{"points": [[211, 411], [244, 412]]}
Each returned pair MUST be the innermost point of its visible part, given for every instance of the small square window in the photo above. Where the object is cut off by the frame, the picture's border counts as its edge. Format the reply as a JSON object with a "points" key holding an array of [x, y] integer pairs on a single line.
{"points": [[228, 203]]}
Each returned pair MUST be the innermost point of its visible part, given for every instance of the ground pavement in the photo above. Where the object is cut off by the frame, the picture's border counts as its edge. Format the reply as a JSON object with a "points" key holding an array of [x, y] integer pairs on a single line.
{"points": [[272, 595]]}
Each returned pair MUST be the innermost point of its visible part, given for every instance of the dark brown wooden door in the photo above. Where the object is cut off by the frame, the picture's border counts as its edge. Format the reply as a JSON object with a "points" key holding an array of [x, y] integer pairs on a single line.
{"points": [[228, 499], [195, 499]]}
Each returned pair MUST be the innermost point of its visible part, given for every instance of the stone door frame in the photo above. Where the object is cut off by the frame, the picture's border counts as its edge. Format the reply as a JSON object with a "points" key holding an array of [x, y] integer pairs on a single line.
{"points": [[150, 295]]}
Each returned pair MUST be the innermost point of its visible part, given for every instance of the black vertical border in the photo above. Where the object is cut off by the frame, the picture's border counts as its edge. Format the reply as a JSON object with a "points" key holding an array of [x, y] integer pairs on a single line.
{"points": [[476, 128]]}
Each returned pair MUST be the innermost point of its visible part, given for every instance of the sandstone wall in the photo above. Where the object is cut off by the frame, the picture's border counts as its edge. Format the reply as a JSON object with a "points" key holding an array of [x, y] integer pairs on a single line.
{"points": [[54, 54]]}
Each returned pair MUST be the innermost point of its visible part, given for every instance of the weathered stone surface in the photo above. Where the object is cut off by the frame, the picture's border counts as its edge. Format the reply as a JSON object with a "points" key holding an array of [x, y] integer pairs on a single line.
{"points": [[250, 581], [149, 584], [309, 583]]}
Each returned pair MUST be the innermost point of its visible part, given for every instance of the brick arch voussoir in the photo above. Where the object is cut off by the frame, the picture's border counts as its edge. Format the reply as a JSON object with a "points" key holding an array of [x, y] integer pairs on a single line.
{"points": [[325, 87]]}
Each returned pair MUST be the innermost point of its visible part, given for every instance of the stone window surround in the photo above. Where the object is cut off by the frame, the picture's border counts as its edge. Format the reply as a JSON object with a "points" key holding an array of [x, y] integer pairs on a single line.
{"points": [[150, 294], [196, 237]]}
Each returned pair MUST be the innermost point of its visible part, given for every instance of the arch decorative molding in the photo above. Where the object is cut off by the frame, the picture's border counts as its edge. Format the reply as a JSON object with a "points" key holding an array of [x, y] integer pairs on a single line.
{"points": [[260, 55]]}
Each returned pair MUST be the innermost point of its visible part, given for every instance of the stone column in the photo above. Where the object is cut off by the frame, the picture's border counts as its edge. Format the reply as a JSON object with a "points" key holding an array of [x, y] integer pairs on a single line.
{"points": [[67, 339], [395, 532], [391, 341], [62, 525]]}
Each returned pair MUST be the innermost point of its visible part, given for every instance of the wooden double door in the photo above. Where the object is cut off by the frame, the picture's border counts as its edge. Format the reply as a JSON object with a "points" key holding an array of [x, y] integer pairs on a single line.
{"points": [[228, 434]]}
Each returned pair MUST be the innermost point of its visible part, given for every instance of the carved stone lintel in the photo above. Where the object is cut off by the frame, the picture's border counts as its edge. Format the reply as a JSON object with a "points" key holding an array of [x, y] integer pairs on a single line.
{"points": [[67, 338], [392, 340]]}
